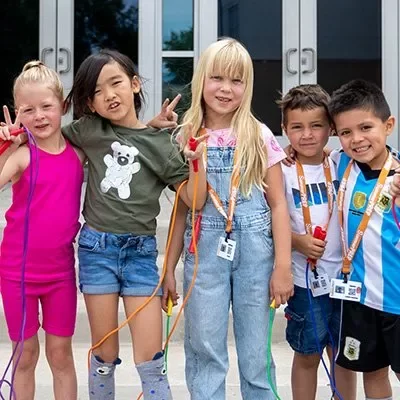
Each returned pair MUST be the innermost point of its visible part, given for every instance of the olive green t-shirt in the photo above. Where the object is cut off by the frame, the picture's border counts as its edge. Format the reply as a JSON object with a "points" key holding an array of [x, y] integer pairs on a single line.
{"points": [[127, 171]]}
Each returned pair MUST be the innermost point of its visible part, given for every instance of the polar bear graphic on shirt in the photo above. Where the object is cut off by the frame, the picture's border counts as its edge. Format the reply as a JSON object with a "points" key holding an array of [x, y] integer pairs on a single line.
{"points": [[120, 169]]}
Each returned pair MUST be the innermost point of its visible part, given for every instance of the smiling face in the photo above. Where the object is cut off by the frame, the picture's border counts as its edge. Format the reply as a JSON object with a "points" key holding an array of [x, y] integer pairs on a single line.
{"points": [[40, 109], [113, 96], [363, 136], [222, 96], [308, 132]]}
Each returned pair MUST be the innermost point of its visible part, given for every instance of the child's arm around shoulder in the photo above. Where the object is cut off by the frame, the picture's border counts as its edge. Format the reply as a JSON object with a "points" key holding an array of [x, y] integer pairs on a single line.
{"points": [[281, 284], [80, 131]]}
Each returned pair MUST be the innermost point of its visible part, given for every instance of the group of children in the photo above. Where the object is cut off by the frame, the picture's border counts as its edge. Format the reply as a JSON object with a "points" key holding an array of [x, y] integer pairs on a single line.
{"points": [[247, 206]]}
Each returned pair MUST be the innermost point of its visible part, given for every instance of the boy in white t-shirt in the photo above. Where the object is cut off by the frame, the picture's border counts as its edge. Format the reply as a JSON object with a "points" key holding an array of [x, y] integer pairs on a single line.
{"points": [[311, 185]]}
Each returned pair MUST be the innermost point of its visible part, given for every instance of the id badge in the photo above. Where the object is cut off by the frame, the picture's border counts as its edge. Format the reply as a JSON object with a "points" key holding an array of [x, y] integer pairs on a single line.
{"points": [[345, 291], [320, 285], [384, 203], [226, 248]]}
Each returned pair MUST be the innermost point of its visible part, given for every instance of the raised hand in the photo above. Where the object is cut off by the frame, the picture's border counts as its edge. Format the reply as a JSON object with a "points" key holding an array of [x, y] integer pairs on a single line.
{"points": [[197, 154], [167, 118], [8, 127]]}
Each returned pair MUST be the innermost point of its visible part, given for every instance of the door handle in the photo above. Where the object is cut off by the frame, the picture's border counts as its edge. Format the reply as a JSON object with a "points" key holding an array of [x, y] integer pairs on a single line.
{"points": [[289, 53], [69, 59], [46, 50], [313, 63]]}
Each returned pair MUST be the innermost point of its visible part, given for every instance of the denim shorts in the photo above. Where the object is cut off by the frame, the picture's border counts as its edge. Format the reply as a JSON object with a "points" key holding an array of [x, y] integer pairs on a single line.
{"points": [[117, 263], [300, 328]]}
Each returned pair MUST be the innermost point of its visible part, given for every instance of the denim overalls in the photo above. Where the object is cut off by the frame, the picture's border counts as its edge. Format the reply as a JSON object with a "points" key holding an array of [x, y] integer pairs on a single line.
{"points": [[243, 282]]}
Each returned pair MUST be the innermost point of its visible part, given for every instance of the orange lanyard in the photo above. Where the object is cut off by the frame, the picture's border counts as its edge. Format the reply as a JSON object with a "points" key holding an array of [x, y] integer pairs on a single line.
{"points": [[303, 194], [234, 188], [373, 199]]}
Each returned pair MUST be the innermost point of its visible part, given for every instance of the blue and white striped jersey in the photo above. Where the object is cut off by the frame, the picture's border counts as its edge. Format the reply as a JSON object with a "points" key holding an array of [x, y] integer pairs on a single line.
{"points": [[376, 263]]}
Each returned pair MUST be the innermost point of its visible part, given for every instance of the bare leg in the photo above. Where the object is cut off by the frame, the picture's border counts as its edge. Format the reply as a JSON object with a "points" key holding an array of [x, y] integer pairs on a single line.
{"points": [[346, 380], [24, 382], [146, 331], [304, 376], [146, 327], [377, 384], [60, 358], [103, 317]]}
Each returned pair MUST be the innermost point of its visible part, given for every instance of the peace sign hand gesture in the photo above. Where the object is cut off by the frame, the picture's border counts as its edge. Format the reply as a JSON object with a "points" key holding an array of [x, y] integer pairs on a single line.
{"points": [[8, 127], [167, 118]]}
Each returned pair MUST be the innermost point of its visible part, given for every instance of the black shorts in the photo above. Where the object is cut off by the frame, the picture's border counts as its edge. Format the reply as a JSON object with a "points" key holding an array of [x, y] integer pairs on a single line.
{"points": [[370, 339]]}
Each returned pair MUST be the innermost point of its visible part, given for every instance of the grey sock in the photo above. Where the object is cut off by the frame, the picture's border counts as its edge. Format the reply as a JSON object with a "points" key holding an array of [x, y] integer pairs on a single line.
{"points": [[101, 379], [154, 384]]}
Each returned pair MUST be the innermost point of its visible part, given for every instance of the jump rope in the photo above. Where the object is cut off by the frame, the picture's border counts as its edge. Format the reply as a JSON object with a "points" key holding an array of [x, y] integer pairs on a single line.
{"points": [[196, 222], [319, 233], [196, 226], [19, 346]]}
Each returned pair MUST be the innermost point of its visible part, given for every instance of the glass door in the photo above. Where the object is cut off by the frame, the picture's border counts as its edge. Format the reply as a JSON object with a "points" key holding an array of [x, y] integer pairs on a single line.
{"points": [[19, 42], [315, 41], [86, 26], [345, 40], [273, 27]]}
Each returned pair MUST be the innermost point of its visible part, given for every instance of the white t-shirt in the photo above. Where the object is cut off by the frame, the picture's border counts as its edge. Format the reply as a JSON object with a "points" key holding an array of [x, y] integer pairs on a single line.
{"points": [[317, 196]]}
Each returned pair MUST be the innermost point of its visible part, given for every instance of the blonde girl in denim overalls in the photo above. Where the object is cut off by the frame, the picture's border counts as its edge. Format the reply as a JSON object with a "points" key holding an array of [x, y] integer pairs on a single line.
{"points": [[244, 261]]}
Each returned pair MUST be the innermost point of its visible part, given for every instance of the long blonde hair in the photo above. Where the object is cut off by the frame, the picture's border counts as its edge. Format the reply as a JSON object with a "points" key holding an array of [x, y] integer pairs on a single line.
{"points": [[227, 57], [37, 72]]}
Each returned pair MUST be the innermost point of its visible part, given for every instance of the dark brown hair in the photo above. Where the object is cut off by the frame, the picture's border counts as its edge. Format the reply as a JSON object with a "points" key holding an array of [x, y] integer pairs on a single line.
{"points": [[304, 97], [86, 79]]}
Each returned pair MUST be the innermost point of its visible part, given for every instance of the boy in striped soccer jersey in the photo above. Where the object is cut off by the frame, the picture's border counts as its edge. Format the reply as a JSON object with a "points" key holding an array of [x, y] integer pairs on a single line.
{"points": [[370, 339]]}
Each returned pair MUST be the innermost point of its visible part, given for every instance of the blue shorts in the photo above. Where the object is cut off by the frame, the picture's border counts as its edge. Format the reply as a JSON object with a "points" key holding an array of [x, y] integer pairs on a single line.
{"points": [[117, 263], [300, 331]]}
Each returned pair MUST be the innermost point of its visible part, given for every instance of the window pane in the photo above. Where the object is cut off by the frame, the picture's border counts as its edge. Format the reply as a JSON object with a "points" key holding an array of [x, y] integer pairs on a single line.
{"points": [[19, 42], [177, 25], [349, 42], [111, 24], [177, 75], [258, 25]]}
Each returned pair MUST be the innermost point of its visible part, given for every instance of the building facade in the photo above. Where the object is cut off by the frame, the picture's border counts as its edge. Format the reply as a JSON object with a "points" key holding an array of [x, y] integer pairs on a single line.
{"points": [[290, 41]]}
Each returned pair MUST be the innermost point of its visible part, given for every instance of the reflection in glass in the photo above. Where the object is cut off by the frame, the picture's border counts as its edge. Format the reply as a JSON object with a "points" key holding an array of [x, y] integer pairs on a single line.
{"points": [[113, 25], [177, 19], [263, 39], [177, 75], [349, 42], [19, 42]]}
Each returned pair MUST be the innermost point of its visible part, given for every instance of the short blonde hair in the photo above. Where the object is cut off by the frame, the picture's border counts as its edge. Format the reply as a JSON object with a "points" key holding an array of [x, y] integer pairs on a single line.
{"points": [[228, 57], [37, 72]]}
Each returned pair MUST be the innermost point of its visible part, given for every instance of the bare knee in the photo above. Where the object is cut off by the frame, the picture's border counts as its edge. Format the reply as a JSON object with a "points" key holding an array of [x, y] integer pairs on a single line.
{"points": [[30, 355], [306, 361], [377, 384], [374, 377], [60, 357]]}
